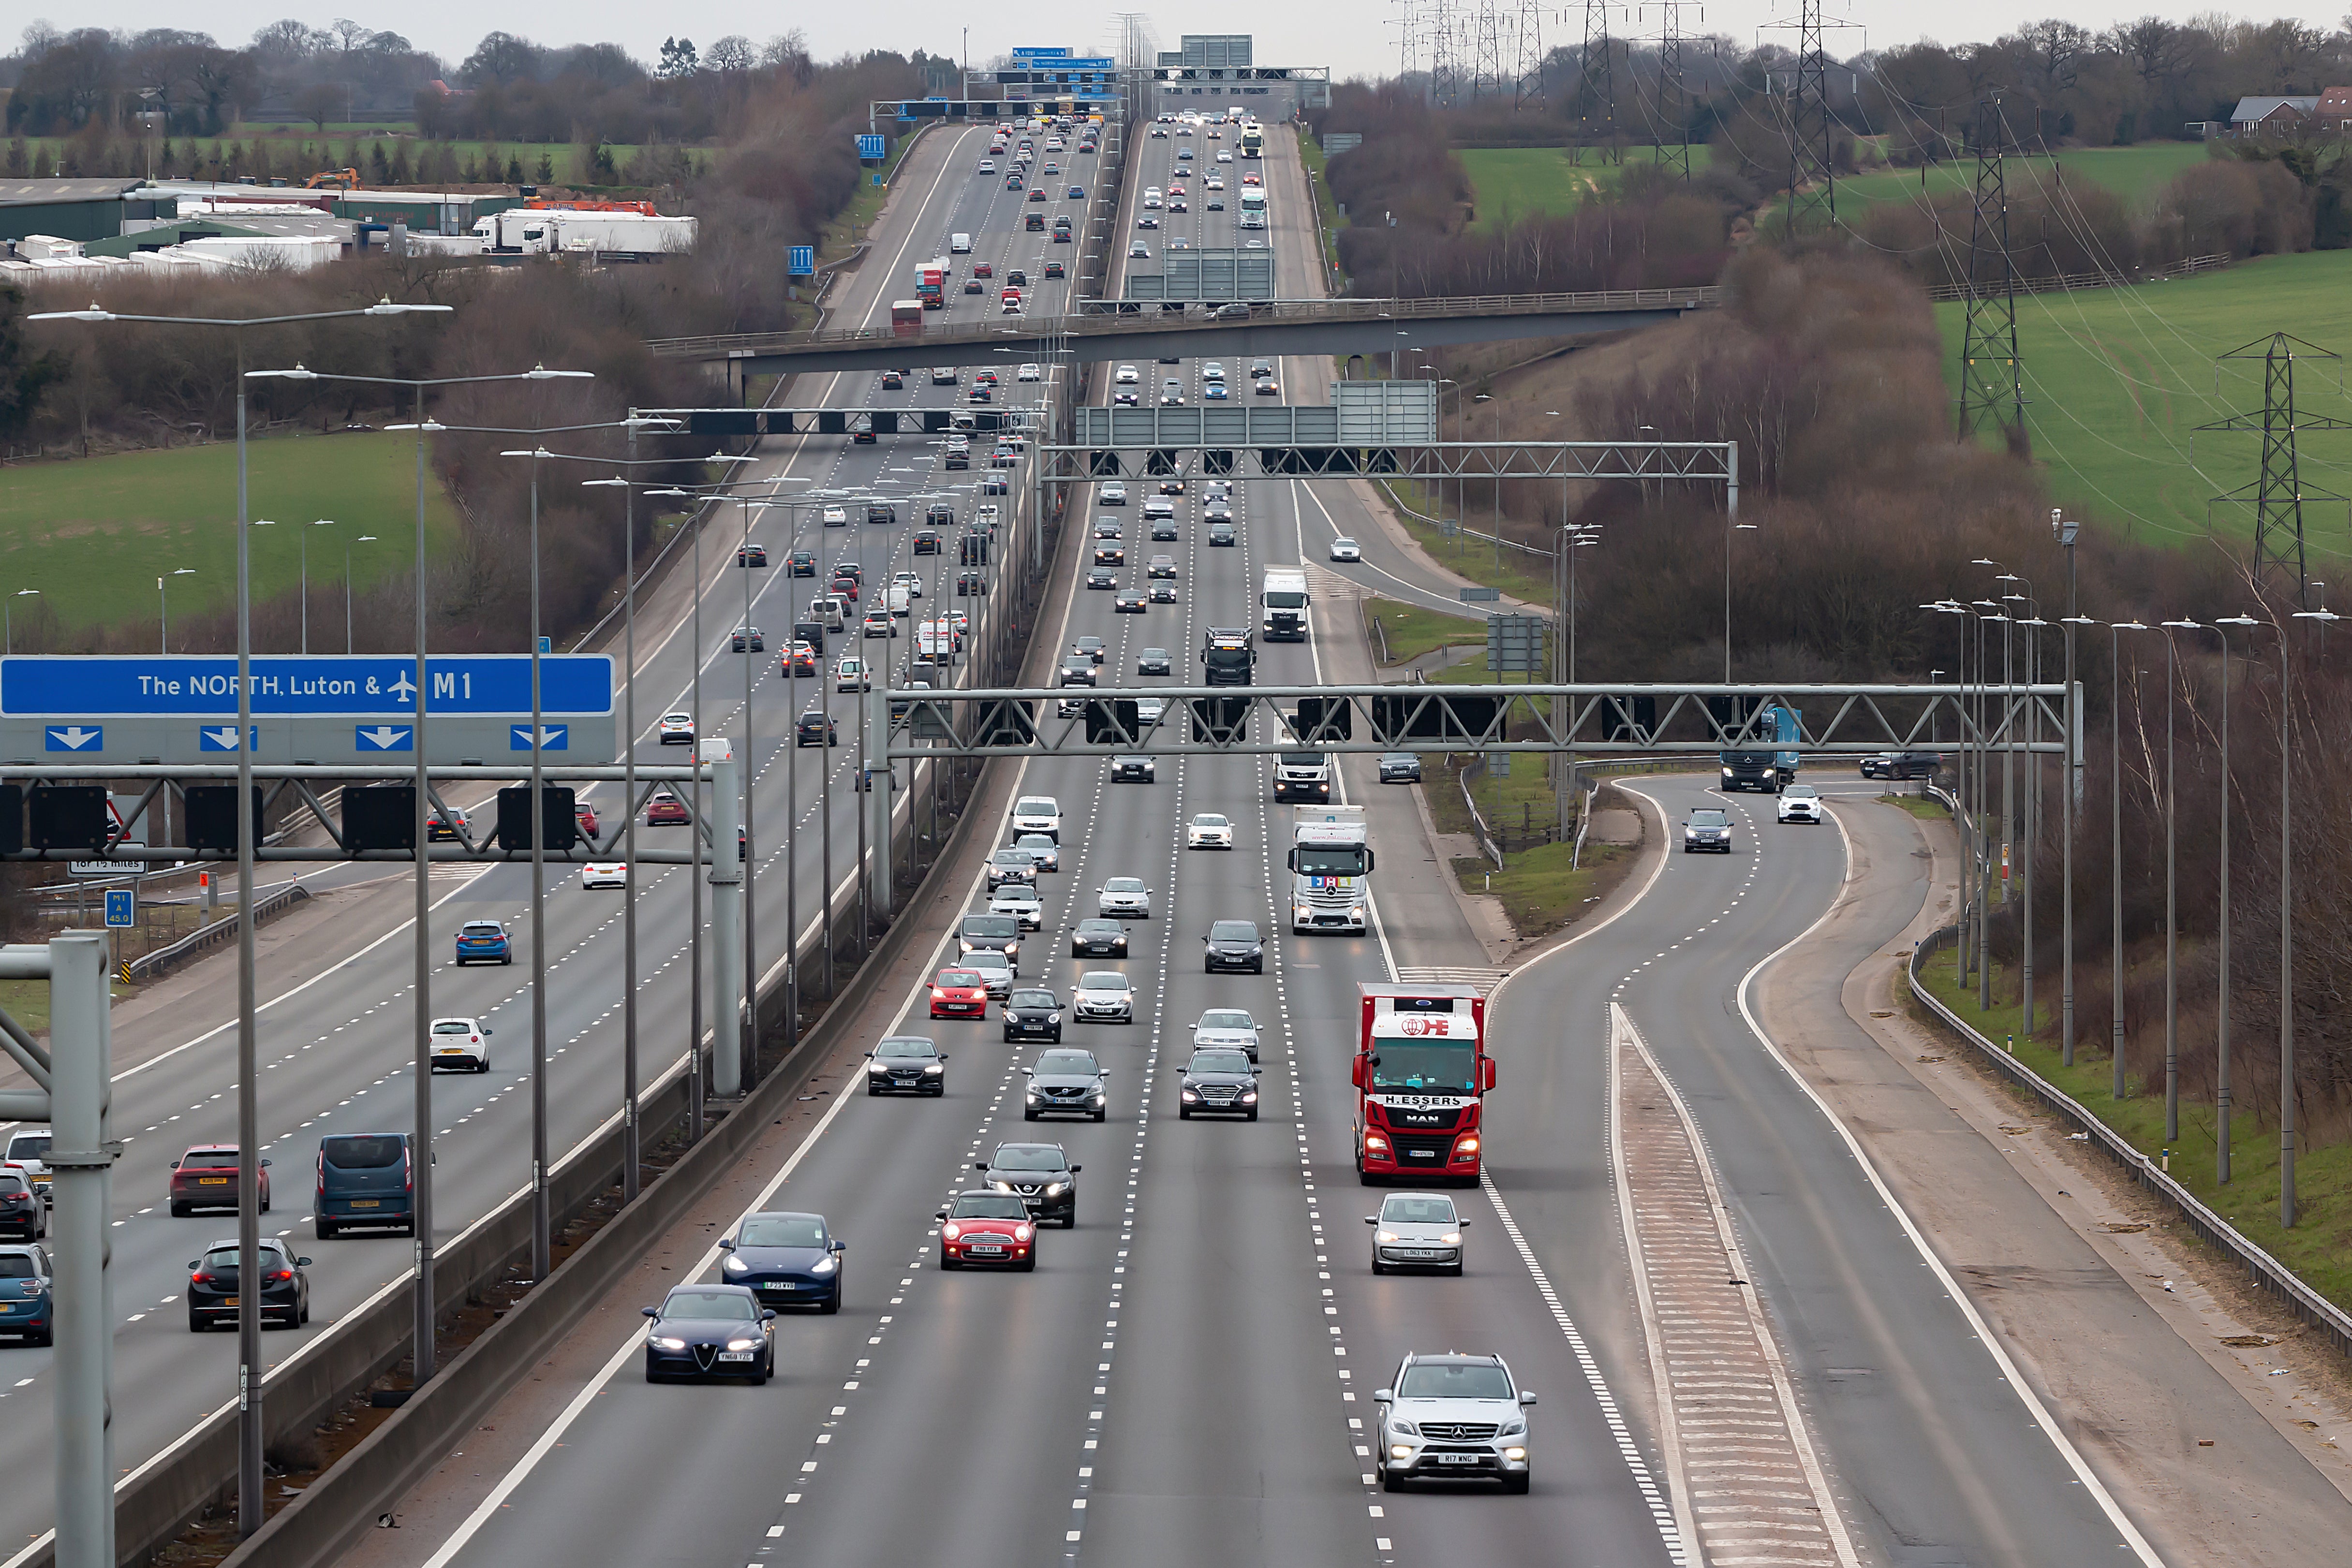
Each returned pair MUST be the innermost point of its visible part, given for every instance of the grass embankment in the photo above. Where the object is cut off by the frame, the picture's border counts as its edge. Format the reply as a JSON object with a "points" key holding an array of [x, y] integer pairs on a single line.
{"points": [[27, 1001], [92, 533], [2319, 1247], [1927, 809], [1538, 891], [2118, 379], [1310, 153], [1522, 575], [2135, 173], [1412, 632]]}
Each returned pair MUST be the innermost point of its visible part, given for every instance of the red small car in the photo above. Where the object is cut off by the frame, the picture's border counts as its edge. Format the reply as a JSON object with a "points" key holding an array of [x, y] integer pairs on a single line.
{"points": [[205, 1177], [988, 1227], [959, 993], [665, 811], [847, 587], [584, 815], [982, 270]]}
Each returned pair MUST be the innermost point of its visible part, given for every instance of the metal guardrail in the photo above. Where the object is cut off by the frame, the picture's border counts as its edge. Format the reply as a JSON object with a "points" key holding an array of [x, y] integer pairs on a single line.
{"points": [[152, 964], [1464, 529], [1486, 843], [2264, 1269], [723, 345], [2066, 282]]}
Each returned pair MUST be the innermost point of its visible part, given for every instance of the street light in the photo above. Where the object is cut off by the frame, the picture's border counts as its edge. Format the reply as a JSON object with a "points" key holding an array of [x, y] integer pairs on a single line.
{"points": [[251, 1478], [2115, 846], [1730, 527], [164, 603], [2171, 900], [2286, 927], [362, 540], [2221, 1096], [2067, 530], [8, 619]]}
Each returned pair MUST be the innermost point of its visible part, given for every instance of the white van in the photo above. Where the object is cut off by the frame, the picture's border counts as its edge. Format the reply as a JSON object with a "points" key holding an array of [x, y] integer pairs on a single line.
{"points": [[900, 600], [1038, 814], [959, 245]]}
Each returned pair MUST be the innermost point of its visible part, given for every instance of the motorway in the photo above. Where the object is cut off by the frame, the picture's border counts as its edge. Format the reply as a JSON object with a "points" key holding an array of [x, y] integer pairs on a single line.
{"points": [[335, 1031]]}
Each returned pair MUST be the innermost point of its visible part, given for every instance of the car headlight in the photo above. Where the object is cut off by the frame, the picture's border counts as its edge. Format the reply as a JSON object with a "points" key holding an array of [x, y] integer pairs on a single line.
{"points": [[1726, 773], [1401, 1451], [666, 1343], [1356, 913], [734, 1265], [822, 1266], [1384, 1236], [934, 1066], [880, 1069], [1050, 1018], [1030, 1096], [1192, 1094], [1516, 1455], [1451, 1238], [1404, 1429], [1055, 1189], [742, 1345], [1513, 1429], [1249, 1097], [1002, 1186]]}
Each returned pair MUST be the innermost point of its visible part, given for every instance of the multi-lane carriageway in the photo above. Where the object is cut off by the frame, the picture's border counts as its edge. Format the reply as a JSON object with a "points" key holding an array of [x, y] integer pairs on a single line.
{"points": [[1186, 1376]]}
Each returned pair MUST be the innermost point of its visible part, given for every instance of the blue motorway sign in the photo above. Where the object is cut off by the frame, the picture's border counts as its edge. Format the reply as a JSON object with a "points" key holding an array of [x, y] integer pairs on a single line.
{"points": [[74, 691], [123, 908], [800, 261], [870, 147], [1040, 54]]}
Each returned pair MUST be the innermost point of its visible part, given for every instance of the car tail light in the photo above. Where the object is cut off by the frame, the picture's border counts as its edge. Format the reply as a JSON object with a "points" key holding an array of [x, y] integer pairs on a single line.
{"points": [[951, 1231], [200, 1278], [283, 1274], [322, 1175]]}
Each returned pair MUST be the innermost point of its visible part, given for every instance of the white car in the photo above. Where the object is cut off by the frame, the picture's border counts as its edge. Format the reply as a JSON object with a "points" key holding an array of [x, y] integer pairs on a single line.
{"points": [[1417, 1230], [1103, 997], [1124, 898], [1345, 549], [1020, 900], [1216, 182], [909, 581], [837, 517], [1030, 373], [1800, 803], [1112, 495], [988, 165], [603, 874], [461, 1042], [1457, 1392], [1228, 1026], [675, 730], [1038, 814], [1209, 831], [849, 675], [1224, 156], [1126, 376]]}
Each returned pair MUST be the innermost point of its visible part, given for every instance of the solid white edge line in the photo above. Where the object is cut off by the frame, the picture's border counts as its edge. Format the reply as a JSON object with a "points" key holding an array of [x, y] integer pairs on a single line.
{"points": [[1793, 1414], [2134, 1540]]}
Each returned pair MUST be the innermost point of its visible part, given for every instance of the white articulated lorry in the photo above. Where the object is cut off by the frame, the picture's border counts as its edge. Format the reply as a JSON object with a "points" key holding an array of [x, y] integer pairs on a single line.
{"points": [[1330, 869]]}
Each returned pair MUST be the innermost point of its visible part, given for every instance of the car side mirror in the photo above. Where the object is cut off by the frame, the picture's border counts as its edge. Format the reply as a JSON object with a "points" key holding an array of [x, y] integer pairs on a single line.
{"points": [[195, 1263], [1383, 1396], [488, 1031], [1372, 1220], [265, 1164], [650, 1312], [943, 1055], [942, 1214], [1462, 1221], [1075, 1169], [1256, 1070], [979, 1165], [837, 1246], [175, 1166], [1526, 1398], [770, 1315], [1028, 1073], [725, 1243], [301, 1263]]}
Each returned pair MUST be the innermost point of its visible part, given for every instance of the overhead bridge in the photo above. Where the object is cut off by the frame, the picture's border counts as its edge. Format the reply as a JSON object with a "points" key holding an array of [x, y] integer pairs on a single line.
{"points": [[1126, 330]]}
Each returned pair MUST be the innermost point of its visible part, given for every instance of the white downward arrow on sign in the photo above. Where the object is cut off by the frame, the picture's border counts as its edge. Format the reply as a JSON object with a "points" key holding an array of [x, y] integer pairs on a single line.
{"points": [[384, 735], [75, 736], [224, 738]]}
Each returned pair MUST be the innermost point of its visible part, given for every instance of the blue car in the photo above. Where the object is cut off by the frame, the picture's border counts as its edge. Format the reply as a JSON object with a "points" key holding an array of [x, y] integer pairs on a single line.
{"points": [[710, 1330], [483, 942], [1078, 192], [28, 1294], [785, 1258]]}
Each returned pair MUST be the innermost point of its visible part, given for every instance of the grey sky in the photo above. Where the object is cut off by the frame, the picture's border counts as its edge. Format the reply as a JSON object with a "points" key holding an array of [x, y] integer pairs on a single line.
{"points": [[1354, 37]]}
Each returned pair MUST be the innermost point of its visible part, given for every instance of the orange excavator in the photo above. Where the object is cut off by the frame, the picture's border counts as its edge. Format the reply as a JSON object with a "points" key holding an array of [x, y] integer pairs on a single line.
{"points": [[338, 178]]}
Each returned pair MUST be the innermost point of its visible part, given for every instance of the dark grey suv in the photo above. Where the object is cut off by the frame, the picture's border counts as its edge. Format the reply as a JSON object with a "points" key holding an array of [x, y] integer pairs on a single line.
{"points": [[1221, 1080], [1066, 1081], [1400, 768], [1041, 1176]]}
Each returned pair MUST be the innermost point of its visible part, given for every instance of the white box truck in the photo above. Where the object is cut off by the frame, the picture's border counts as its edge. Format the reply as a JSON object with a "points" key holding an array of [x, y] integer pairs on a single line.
{"points": [[1330, 869]]}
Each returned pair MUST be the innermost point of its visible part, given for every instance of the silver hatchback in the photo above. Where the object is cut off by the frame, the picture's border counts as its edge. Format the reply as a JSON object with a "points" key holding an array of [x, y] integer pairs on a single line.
{"points": [[1417, 1230], [1124, 898], [1103, 996]]}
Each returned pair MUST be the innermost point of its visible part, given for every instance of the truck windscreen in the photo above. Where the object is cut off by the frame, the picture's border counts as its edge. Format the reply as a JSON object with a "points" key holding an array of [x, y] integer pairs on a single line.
{"points": [[1331, 860], [1426, 1067], [1277, 599], [1227, 658]]}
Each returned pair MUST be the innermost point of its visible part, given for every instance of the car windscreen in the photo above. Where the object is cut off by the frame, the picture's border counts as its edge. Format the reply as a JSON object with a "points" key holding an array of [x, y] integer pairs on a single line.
{"points": [[908, 1048], [1439, 1381], [989, 926], [17, 1266], [958, 978], [989, 961], [723, 1304], [1220, 1061], [1226, 1018], [1124, 884], [1708, 819], [1100, 928], [1416, 1210], [780, 1230], [1067, 1062], [1041, 1001], [1036, 806], [480, 928], [1801, 792], [1233, 930], [1285, 599], [988, 1206], [451, 1026], [362, 1151], [1102, 980], [1447, 1067], [29, 1146], [1210, 820], [1011, 858], [1008, 1158], [1016, 892]]}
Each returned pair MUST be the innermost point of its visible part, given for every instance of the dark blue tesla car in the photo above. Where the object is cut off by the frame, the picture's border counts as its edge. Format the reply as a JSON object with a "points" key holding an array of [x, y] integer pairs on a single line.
{"points": [[710, 1330], [785, 1258]]}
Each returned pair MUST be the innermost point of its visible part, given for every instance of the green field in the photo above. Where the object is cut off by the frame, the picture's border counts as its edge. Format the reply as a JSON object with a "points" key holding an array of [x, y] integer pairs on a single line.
{"points": [[298, 148], [92, 533], [2117, 380]]}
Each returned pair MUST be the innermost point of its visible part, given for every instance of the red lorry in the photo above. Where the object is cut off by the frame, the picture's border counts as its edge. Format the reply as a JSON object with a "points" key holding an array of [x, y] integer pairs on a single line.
{"points": [[1420, 1071]]}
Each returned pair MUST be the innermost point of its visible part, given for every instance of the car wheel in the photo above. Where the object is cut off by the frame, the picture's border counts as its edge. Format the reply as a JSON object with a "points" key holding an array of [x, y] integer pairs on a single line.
{"points": [[179, 1211], [196, 1323], [509, 959], [1456, 1270], [305, 1316], [948, 1262], [43, 1338], [1389, 1483], [1027, 1114], [1207, 968], [265, 1203], [1378, 1267], [871, 1091], [832, 1302], [1258, 967], [327, 1231], [1253, 1116], [1027, 1265], [1101, 1115], [1182, 1114], [1517, 1485]]}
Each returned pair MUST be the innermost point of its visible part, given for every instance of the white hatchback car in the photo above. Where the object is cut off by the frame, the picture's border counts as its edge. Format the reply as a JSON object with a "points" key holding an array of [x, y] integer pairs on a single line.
{"points": [[1345, 549], [1103, 997], [461, 1043], [1800, 803], [603, 874], [1229, 1028], [1020, 900], [1030, 373], [1209, 830], [1124, 898], [675, 730]]}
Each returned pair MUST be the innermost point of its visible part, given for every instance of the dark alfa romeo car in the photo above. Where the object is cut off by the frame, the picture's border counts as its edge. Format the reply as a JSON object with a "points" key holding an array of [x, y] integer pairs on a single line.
{"points": [[710, 1330]]}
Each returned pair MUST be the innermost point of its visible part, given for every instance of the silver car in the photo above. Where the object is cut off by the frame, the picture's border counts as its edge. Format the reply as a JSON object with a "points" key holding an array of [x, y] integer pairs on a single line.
{"points": [[1232, 1027], [1009, 866], [1103, 997], [1020, 900], [1475, 1401], [1123, 898], [993, 969], [1400, 768], [1417, 1230]]}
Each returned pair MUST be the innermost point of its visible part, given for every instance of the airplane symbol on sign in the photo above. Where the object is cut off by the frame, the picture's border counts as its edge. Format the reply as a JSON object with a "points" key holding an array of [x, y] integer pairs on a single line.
{"points": [[74, 738], [405, 688]]}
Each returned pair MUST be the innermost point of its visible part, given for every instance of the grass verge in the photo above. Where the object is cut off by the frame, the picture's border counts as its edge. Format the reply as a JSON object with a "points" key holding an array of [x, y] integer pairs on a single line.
{"points": [[1310, 153], [1538, 891], [2319, 1247], [27, 1001], [1412, 631], [1522, 575], [90, 533], [1930, 809]]}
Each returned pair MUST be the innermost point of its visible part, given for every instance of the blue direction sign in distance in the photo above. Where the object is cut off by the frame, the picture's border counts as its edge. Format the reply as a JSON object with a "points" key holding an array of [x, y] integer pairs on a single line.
{"points": [[72, 691], [800, 261], [870, 147], [121, 908]]}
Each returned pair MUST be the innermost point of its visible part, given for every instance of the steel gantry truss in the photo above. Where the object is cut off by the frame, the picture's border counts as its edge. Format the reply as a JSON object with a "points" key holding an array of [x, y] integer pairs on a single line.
{"points": [[1181, 443], [1590, 719]]}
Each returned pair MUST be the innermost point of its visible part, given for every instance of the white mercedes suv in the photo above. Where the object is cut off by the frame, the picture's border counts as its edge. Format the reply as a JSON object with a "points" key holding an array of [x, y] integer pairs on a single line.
{"points": [[1454, 1417]]}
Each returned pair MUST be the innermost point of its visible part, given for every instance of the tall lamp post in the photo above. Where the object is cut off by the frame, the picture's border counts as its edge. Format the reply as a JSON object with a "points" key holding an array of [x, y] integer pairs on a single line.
{"points": [[2221, 1093], [2171, 892], [2287, 922], [162, 603], [250, 1475], [362, 540], [2115, 629], [8, 618], [1731, 526], [2067, 530]]}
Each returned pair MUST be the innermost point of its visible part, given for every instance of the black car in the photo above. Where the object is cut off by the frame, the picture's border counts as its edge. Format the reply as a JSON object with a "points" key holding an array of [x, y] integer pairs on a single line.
{"points": [[926, 542], [803, 563], [1902, 765], [1018, 278], [710, 1330], [1163, 594], [893, 381], [23, 1215], [783, 1257], [1040, 1175], [906, 1061], [971, 585], [28, 1307], [1066, 1081], [1163, 528], [1032, 1015], [1219, 1080], [1222, 534], [751, 555], [1099, 940], [1110, 553], [752, 634], [213, 1293], [1078, 670], [1132, 769], [1234, 944], [1154, 662], [1093, 647], [816, 728], [1102, 577]]}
